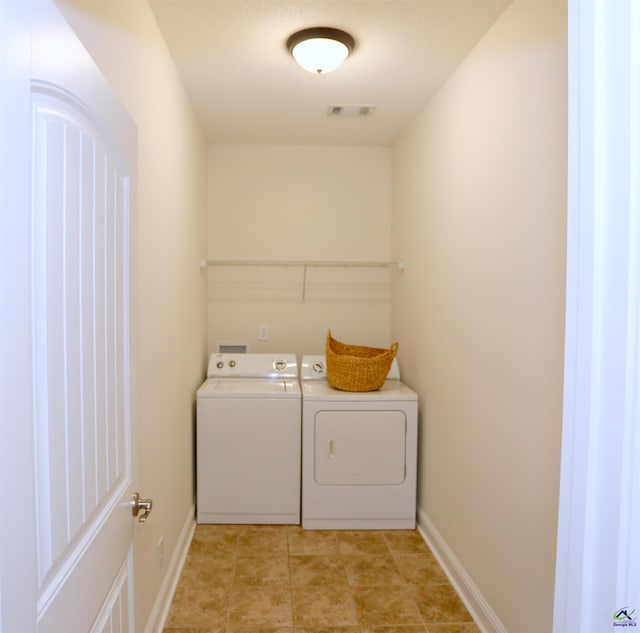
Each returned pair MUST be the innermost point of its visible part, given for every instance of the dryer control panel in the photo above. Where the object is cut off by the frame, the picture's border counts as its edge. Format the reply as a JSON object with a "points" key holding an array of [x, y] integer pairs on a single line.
{"points": [[314, 367]]}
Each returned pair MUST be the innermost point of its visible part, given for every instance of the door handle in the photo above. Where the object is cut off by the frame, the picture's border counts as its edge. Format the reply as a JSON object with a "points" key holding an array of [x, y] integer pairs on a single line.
{"points": [[138, 505]]}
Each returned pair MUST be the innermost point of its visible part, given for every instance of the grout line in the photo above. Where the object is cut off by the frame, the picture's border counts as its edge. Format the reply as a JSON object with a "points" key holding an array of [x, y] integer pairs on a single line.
{"points": [[290, 585]]}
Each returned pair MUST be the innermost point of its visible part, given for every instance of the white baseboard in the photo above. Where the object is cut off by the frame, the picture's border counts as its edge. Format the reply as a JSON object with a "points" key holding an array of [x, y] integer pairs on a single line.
{"points": [[479, 608], [161, 606]]}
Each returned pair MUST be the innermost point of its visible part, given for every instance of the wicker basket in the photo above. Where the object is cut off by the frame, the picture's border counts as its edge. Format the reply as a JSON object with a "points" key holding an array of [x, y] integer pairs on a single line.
{"points": [[357, 368]]}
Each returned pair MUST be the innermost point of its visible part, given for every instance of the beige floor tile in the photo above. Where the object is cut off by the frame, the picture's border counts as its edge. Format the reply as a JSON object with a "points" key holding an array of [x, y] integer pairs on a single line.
{"points": [[421, 569], [263, 540], [207, 570], [466, 627], [216, 539], [259, 629], [257, 570], [385, 605], [405, 542], [329, 629], [361, 542], [439, 604], [198, 608], [260, 606], [215, 629], [322, 606], [283, 579], [408, 628], [371, 570], [317, 571], [312, 542]]}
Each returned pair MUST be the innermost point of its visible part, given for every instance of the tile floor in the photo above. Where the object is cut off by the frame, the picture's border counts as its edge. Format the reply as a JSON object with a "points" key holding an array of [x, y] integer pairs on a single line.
{"points": [[283, 579]]}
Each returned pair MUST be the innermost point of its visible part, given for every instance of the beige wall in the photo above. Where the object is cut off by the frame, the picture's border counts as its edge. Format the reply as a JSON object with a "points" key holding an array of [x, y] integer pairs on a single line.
{"points": [[479, 213], [296, 203], [170, 288]]}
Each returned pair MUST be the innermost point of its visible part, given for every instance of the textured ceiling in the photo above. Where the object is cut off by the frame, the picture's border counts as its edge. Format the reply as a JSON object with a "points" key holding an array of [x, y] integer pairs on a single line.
{"points": [[246, 88]]}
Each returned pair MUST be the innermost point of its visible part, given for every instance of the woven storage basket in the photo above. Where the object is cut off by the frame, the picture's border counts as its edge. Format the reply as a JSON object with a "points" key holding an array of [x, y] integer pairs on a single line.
{"points": [[357, 368]]}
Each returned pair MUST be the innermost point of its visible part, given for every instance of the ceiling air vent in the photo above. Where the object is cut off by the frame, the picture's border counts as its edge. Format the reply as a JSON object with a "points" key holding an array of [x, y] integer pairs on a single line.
{"points": [[350, 110]]}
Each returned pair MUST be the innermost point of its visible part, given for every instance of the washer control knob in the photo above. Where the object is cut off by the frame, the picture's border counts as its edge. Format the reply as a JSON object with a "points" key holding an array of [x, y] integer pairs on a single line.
{"points": [[280, 364], [219, 364], [318, 367], [232, 363]]}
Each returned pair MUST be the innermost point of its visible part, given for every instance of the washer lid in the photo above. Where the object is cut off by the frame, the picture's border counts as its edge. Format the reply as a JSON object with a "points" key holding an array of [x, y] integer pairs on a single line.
{"points": [[249, 387]]}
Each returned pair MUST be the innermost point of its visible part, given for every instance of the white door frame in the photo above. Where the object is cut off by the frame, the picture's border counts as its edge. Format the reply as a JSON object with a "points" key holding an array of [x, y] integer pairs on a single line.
{"points": [[598, 556]]}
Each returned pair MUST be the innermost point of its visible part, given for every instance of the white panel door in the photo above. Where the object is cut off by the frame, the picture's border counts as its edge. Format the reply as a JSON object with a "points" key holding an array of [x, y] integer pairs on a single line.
{"points": [[67, 469]]}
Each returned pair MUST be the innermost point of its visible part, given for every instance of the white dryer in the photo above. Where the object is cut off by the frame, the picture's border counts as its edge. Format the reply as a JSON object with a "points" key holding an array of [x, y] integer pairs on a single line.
{"points": [[248, 440], [359, 453]]}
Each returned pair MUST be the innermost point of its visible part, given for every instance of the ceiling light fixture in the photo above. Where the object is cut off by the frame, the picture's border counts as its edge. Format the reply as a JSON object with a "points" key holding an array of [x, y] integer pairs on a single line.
{"points": [[320, 49]]}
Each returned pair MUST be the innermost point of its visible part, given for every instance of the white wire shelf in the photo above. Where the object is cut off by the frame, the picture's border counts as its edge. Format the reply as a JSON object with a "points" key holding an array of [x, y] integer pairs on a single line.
{"points": [[303, 263]]}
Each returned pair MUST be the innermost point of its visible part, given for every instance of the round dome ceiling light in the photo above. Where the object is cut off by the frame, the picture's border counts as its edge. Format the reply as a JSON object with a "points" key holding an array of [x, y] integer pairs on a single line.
{"points": [[320, 49]]}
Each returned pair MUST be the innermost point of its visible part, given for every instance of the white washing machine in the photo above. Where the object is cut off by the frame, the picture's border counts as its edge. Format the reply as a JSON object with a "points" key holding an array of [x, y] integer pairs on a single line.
{"points": [[359, 453], [248, 440]]}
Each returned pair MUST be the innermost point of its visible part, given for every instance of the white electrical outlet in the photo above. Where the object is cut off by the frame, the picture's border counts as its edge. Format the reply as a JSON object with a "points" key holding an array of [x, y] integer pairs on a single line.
{"points": [[263, 332]]}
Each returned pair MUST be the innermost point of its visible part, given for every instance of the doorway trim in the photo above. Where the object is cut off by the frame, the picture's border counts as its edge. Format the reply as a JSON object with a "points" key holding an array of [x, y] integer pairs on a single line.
{"points": [[598, 559]]}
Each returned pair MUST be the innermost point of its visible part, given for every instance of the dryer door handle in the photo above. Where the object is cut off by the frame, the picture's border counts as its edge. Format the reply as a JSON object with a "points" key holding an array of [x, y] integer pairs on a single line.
{"points": [[330, 454]]}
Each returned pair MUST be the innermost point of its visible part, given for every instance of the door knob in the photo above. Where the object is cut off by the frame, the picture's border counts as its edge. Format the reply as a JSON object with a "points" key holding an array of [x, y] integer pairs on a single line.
{"points": [[140, 505]]}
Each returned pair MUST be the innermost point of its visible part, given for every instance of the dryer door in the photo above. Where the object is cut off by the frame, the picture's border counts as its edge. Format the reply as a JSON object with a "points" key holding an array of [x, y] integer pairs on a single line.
{"points": [[360, 447]]}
